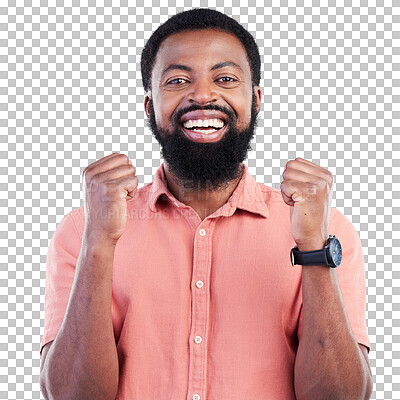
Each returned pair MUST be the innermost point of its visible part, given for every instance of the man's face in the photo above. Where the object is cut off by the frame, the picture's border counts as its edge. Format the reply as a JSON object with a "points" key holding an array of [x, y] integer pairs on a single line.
{"points": [[202, 108]]}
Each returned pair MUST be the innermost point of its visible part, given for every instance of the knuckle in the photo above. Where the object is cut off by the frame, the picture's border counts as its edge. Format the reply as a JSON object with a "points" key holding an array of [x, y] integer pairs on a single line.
{"points": [[123, 157], [133, 180], [290, 163], [132, 186], [86, 177], [287, 174], [321, 183], [330, 177], [111, 156], [127, 169]]}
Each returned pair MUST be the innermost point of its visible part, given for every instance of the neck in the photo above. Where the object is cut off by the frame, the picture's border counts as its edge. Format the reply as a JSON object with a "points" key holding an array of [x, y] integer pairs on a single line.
{"points": [[205, 202]]}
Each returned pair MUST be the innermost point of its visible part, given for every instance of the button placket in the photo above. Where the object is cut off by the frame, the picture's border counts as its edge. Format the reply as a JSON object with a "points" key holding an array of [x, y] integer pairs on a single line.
{"points": [[200, 313]]}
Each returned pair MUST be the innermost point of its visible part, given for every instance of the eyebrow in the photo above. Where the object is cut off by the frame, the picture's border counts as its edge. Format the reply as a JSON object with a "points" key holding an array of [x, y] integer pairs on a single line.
{"points": [[216, 66], [227, 64]]}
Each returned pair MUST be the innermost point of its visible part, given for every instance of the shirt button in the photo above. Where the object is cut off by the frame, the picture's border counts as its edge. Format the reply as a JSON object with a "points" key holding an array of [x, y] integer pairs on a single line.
{"points": [[196, 397], [198, 339], [202, 232], [199, 284]]}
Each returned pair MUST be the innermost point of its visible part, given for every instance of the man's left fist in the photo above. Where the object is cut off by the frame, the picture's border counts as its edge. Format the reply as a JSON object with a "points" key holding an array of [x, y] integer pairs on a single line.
{"points": [[307, 188]]}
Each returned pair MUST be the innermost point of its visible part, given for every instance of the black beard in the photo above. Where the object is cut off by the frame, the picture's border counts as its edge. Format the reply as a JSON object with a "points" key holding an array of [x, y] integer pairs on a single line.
{"points": [[205, 166]]}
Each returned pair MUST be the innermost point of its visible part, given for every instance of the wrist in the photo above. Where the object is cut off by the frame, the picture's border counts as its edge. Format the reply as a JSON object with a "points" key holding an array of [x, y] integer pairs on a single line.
{"points": [[311, 245], [316, 253], [97, 245]]}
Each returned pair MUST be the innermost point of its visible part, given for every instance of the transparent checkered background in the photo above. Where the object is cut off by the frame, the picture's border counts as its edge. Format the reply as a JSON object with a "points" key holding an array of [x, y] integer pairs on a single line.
{"points": [[71, 93]]}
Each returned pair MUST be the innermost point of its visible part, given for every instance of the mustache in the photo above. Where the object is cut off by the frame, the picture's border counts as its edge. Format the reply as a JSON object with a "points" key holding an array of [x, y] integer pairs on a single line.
{"points": [[230, 114]]}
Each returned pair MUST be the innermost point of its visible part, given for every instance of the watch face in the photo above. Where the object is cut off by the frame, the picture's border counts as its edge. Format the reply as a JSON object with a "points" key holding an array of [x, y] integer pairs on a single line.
{"points": [[336, 251]]}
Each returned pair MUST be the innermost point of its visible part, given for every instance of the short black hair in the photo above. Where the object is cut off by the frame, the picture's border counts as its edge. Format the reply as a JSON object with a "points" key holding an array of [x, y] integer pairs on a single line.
{"points": [[196, 19]]}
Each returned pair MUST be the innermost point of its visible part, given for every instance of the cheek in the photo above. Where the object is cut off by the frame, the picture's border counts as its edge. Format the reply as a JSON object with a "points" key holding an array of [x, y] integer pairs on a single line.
{"points": [[159, 117], [241, 103], [161, 112], [244, 114], [164, 107]]}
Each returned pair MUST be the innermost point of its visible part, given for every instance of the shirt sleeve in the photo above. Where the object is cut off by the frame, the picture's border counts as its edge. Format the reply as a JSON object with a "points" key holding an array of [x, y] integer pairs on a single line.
{"points": [[62, 256], [351, 278]]}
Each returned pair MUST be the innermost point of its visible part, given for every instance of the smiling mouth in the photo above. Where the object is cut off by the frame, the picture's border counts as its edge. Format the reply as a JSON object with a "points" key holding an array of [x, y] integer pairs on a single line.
{"points": [[205, 127], [204, 134]]}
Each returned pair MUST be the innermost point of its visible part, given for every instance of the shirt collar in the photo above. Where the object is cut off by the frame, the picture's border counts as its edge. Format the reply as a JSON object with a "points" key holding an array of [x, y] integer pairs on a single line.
{"points": [[246, 196]]}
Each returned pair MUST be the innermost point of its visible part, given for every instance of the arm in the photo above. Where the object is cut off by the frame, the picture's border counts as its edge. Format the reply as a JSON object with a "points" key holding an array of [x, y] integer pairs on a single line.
{"points": [[330, 364], [82, 362]]}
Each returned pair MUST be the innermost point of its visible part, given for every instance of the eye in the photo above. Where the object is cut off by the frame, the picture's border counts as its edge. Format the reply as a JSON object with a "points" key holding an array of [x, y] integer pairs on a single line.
{"points": [[176, 81], [227, 79]]}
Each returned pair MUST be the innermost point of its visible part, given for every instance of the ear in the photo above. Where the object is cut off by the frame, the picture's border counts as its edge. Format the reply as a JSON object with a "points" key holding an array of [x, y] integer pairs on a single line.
{"points": [[147, 99], [257, 92]]}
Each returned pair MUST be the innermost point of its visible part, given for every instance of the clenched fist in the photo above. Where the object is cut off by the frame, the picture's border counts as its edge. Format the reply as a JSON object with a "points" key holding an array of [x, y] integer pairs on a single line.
{"points": [[107, 184], [307, 188]]}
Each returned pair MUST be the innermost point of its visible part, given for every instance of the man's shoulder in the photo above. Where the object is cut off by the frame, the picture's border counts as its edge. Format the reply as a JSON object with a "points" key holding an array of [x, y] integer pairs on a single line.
{"points": [[72, 223], [268, 191], [271, 196]]}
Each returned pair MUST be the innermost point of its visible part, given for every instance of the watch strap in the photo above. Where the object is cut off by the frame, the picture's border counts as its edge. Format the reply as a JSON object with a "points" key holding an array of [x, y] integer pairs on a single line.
{"points": [[313, 257]]}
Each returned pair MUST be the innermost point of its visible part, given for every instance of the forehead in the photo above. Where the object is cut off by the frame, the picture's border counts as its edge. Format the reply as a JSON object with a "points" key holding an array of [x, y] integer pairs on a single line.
{"points": [[208, 46]]}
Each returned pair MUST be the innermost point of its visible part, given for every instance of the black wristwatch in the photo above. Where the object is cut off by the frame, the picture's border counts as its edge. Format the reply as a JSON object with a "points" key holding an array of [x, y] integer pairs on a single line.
{"points": [[330, 255]]}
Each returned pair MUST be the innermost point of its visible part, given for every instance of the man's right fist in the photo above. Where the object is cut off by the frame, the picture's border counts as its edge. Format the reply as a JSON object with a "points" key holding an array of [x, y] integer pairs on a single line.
{"points": [[107, 184]]}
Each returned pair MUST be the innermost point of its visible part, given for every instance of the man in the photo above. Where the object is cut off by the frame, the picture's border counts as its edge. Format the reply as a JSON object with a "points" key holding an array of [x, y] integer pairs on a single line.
{"points": [[184, 289]]}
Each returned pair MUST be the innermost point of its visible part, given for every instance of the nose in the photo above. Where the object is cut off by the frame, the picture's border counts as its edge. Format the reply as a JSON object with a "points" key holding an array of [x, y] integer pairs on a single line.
{"points": [[202, 91]]}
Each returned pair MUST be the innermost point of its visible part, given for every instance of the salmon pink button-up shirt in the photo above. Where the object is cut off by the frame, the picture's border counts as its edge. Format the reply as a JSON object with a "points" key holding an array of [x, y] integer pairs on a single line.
{"points": [[205, 309]]}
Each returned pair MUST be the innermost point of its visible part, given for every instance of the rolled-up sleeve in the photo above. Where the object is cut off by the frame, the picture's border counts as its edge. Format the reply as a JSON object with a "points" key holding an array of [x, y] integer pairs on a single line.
{"points": [[62, 256]]}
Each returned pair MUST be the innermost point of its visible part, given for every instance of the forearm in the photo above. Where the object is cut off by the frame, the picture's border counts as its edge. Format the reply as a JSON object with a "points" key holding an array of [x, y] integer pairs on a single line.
{"points": [[82, 362], [329, 362]]}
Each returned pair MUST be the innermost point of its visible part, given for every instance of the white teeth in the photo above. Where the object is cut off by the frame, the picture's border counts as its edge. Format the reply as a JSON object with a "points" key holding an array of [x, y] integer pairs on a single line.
{"points": [[206, 132], [216, 123]]}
